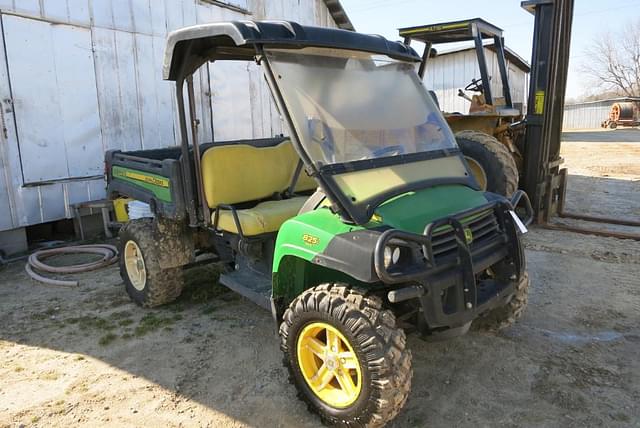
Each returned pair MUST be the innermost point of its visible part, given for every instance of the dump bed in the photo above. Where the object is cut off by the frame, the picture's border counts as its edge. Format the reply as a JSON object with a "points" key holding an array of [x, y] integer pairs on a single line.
{"points": [[151, 176], [155, 176]]}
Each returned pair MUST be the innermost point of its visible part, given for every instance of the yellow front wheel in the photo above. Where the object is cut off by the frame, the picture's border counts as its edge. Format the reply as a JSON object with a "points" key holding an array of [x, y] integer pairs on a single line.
{"points": [[346, 356], [329, 365]]}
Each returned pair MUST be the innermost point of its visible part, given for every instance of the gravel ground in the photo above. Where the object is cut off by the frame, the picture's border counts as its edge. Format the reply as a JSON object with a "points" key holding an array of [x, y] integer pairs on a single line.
{"points": [[87, 356]]}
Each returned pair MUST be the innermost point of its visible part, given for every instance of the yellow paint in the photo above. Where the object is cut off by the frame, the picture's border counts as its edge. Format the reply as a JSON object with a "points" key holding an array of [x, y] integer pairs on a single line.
{"points": [[240, 173], [468, 235], [120, 209], [329, 365], [266, 217], [310, 239], [364, 184], [162, 182], [539, 106], [434, 28]]}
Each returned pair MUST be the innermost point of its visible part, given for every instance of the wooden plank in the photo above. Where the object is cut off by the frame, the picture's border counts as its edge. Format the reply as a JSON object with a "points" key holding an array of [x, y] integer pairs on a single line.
{"points": [[231, 100], [173, 14]]}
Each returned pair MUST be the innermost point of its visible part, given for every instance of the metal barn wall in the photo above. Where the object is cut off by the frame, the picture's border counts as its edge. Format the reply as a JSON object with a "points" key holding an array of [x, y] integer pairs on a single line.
{"points": [[448, 72], [586, 115], [53, 139]]}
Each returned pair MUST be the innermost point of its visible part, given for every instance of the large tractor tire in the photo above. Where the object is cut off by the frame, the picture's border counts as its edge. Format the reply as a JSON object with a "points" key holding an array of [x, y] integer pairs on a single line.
{"points": [[146, 283], [504, 316], [346, 356], [491, 163]]}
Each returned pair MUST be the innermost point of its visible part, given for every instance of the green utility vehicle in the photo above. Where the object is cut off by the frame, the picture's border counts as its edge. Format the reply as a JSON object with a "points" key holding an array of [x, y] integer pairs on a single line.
{"points": [[364, 223]]}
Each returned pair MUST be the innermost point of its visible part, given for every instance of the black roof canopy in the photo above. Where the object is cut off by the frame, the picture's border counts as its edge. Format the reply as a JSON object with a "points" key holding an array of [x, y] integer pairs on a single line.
{"points": [[455, 31], [188, 48]]}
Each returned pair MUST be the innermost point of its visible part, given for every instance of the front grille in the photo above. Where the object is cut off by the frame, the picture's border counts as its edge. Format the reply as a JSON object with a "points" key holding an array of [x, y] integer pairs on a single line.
{"points": [[484, 227]]}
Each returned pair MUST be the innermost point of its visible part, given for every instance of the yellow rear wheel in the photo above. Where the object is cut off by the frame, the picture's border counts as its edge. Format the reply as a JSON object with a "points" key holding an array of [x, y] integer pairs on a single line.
{"points": [[478, 172], [329, 365]]}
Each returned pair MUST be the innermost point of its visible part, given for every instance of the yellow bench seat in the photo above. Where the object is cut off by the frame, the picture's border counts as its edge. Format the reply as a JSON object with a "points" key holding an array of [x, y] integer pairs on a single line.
{"points": [[266, 217]]}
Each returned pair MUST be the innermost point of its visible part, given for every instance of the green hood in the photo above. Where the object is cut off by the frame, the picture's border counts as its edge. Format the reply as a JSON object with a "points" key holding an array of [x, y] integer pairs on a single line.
{"points": [[412, 211]]}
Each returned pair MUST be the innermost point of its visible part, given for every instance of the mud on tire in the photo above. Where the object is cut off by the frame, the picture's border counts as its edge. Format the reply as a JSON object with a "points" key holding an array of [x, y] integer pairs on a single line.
{"points": [[506, 315], [378, 344], [161, 285], [494, 158]]}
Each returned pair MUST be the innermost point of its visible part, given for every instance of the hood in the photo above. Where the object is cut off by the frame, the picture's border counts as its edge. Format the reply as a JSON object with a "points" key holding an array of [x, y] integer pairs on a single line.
{"points": [[412, 211]]}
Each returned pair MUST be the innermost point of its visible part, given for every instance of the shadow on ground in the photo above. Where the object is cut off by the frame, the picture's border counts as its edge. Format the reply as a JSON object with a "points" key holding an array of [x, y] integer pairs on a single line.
{"points": [[619, 135]]}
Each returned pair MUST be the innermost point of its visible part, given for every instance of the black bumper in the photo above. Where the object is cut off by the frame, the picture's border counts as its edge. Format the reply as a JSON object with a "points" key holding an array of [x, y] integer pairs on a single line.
{"points": [[449, 294]]}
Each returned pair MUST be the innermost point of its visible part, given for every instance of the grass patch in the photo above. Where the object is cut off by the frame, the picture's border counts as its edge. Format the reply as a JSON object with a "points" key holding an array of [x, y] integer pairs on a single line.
{"points": [[125, 322], [18, 369], [49, 376], [35, 419], [91, 322], [152, 322], [107, 339], [80, 358], [120, 315], [209, 310]]}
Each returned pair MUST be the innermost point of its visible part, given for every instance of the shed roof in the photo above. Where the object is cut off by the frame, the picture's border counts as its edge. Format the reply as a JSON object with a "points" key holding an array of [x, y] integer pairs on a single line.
{"points": [[510, 54]]}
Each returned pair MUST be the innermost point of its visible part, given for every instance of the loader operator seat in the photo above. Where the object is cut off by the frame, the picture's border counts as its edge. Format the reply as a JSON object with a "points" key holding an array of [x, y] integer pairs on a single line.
{"points": [[253, 181]]}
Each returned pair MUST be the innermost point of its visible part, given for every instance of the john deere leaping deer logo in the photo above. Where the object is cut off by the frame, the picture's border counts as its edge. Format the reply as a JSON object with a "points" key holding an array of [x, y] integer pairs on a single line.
{"points": [[468, 235]]}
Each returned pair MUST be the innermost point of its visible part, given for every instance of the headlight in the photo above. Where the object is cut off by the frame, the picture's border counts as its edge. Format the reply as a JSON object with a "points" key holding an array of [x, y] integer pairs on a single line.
{"points": [[391, 256]]}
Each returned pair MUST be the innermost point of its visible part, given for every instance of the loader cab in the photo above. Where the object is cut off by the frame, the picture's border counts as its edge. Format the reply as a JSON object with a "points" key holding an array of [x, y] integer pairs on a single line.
{"points": [[477, 31]]}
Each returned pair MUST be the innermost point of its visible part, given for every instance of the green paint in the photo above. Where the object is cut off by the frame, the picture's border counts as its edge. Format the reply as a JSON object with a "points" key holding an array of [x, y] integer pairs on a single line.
{"points": [[412, 211], [158, 185], [301, 238]]}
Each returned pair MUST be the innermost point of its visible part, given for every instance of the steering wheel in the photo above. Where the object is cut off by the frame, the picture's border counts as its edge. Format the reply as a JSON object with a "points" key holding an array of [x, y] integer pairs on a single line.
{"points": [[476, 85], [388, 151]]}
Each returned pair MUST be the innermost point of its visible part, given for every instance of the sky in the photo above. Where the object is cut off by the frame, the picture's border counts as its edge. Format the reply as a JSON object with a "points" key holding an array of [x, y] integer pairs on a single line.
{"points": [[591, 17]]}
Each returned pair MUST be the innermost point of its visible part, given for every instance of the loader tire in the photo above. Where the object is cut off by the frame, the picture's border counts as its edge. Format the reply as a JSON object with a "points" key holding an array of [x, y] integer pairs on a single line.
{"points": [[490, 161]]}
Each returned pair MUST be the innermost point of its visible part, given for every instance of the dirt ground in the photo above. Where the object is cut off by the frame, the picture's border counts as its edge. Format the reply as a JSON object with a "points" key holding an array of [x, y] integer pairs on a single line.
{"points": [[87, 356]]}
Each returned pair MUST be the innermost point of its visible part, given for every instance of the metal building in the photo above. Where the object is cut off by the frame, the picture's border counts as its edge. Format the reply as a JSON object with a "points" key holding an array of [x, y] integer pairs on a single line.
{"points": [[452, 70], [78, 77], [589, 115]]}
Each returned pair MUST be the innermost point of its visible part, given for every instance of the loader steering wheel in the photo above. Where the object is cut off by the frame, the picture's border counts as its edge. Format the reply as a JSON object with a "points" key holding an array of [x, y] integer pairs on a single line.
{"points": [[476, 85]]}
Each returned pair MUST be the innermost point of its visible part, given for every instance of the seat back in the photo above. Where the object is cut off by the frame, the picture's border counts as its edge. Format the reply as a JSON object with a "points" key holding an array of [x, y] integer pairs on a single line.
{"points": [[236, 173]]}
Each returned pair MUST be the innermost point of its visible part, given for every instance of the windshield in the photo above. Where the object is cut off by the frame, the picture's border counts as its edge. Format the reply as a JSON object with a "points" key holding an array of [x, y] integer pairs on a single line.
{"points": [[350, 105]]}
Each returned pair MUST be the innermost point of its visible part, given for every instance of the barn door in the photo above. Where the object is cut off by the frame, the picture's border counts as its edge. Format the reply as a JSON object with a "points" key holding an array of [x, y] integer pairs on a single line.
{"points": [[54, 101]]}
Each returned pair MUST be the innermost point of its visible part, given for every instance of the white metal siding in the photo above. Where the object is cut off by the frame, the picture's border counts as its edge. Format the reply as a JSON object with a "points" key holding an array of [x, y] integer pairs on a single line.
{"points": [[447, 73], [586, 115], [136, 108]]}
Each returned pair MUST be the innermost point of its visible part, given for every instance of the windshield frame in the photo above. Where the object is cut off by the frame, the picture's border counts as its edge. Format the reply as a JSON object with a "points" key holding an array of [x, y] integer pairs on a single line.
{"points": [[360, 212]]}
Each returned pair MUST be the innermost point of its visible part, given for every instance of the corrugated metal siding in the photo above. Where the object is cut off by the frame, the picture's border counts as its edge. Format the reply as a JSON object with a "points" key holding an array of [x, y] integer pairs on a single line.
{"points": [[586, 115], [449, 72], [136, 108]]}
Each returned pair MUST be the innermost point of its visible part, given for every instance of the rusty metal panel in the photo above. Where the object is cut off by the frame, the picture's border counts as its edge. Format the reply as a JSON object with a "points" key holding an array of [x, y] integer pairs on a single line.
{"points": [[53, 86]]}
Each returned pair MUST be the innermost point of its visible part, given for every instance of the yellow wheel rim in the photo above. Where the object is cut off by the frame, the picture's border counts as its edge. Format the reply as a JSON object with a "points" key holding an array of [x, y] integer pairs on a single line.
{"points": [[329, 365], [478, 172], [134, 263]]}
